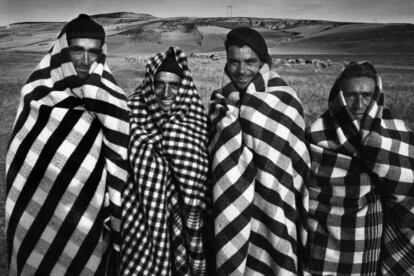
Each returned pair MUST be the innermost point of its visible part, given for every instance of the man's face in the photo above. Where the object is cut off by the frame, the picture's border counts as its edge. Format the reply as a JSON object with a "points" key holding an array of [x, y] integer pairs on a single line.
{"points": [[166, 86], [83, 52], [358, 93], [243, 64]]}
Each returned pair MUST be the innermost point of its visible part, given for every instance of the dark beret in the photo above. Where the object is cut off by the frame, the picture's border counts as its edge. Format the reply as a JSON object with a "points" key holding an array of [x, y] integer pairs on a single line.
{"points": [[84, 27]]}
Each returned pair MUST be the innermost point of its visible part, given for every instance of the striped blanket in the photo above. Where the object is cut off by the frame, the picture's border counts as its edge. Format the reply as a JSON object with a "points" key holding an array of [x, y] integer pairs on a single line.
{"points": [[260, 162], [361, 209], [66, 166], [163, 207]]}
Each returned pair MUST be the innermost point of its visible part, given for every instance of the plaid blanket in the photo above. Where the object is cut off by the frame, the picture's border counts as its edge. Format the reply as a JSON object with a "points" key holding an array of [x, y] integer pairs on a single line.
{"points": [[66, 166], [260, 161], [361, 194], [163, 207]]}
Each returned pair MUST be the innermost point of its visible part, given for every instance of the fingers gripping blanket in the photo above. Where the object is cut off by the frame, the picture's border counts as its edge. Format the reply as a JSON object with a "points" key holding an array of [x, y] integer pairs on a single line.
{"points": [[260, 161], [164, 205], [361, 191], [66, 167]]}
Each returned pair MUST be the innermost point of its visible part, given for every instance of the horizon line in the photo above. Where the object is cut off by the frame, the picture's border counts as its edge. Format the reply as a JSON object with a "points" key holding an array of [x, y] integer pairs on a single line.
{"points": [[235, 16]]}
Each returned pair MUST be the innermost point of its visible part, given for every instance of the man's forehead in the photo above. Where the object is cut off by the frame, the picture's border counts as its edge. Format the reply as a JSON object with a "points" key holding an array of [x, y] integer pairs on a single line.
{"points": [[87, 43], [358, 84], [167, 77], [244, 51], [359, 81]]}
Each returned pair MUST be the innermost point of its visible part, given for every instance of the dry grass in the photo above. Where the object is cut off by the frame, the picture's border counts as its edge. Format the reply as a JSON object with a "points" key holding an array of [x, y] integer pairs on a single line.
{"points": [[207, 76], [399, 88], [15, 69], [8, 104], [312, 86]]}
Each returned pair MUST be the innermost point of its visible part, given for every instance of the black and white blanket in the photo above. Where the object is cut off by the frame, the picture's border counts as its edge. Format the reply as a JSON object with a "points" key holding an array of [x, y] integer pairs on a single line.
{"points": [[66, 168], [361, 191], [259, 163], [165, 203]]}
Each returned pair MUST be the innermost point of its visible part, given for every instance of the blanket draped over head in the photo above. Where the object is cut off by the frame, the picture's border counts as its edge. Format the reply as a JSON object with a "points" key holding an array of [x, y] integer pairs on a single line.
{"points": [[361, 209], [260, 161], [164, 204], [66, 166]]}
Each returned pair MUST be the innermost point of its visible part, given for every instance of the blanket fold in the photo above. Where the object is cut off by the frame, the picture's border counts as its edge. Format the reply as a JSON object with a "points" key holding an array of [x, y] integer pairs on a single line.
{"points": [[66, 167], [259, 164], [165, 203], [361, 192]]}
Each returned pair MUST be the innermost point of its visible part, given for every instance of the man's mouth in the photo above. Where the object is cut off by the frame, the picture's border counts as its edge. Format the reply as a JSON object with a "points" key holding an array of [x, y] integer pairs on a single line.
{"points": [[358, 113], [82, 69], [243, 79], [166, 101]]}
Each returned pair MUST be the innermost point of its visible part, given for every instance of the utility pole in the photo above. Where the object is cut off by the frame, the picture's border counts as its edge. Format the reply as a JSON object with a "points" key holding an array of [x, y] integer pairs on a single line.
{"points": [[229, 9]]}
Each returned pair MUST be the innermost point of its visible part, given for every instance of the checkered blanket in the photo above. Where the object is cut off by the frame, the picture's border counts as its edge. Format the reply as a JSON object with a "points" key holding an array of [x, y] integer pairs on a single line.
{"points": [[260, 161], [163, 207], [361, 194], [66, 166]]}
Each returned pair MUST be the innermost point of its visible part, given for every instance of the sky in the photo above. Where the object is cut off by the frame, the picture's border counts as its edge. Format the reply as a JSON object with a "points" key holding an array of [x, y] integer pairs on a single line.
{"points": [[387, 11]]}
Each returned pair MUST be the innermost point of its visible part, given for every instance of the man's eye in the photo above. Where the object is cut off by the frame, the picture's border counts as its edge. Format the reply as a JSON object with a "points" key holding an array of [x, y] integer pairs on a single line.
{"points": [[93, 55], [350, 95], [158, 85], [251, 62], [233, 63], [96, 52], [76, 52], [175, 86]]}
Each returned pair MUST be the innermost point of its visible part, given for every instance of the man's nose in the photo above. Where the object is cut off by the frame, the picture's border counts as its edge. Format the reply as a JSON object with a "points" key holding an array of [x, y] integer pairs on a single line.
{"points": [[166, 91], [359, 100], [85, 58], [242, 68]]}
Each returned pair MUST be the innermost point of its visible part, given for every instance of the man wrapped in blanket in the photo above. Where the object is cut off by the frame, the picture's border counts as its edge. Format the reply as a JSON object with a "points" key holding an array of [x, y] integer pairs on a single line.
{"points": [[361, 191], [259, 164], [163, 210], [66, 163]]}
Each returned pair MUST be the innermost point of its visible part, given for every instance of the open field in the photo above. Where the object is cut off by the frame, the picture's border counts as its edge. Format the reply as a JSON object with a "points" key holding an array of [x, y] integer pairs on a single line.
{"points": [[312, 85], [132, 37]]}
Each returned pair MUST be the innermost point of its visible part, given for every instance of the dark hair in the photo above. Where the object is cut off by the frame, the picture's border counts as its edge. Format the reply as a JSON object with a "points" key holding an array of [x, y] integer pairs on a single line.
{"points": [[234, 41], [358, 70], [246, 36]]}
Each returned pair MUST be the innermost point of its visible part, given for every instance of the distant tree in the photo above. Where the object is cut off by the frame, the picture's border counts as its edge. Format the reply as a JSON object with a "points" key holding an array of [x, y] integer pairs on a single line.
{"points": [[189, 27]]}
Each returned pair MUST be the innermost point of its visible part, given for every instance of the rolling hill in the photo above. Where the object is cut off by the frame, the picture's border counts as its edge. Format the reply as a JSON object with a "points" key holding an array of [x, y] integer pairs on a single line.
{"points": [[131, 33]]}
